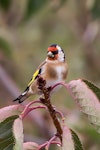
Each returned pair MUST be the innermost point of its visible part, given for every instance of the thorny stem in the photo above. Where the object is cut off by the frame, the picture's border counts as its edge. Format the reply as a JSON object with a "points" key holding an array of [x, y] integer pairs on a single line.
{"points": [[46, 101]]}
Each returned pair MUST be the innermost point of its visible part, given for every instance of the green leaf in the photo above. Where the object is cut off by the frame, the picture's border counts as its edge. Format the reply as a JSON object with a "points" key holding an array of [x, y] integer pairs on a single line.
{"points": [[93, 87], [70, 140], [11, 129], [6, 134], [87, 98], [77, 142]]}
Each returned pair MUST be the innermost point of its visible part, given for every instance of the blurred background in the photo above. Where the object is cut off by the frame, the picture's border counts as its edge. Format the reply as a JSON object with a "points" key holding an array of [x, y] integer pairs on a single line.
{"points": [[27, 28]]}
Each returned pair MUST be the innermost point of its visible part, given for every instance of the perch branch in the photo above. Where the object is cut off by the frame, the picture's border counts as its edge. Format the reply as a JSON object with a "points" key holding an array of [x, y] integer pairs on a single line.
{"points": [[47, 102]]}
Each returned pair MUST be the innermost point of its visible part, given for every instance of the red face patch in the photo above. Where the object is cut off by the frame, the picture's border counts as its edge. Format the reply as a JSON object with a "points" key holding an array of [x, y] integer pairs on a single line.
{"points": [[52, 49]]}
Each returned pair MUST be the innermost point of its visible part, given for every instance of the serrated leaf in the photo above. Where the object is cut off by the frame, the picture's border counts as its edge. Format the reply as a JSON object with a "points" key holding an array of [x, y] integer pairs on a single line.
{"points": [[30, 146], [86, 96], [77, 142], [6, 135], [70, 140], [18, 134]]}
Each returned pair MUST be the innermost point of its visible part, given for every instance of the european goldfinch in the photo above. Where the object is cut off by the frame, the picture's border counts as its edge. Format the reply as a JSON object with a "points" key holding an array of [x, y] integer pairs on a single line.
{"points": [[54, 70]]}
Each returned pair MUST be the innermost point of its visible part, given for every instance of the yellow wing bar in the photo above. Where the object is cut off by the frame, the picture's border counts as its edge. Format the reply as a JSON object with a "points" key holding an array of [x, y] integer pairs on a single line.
{"points": [[34, 76]]}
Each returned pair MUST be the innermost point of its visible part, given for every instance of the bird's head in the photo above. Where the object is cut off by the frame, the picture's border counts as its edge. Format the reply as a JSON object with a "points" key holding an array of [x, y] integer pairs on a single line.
{"points": [[55, 53]]}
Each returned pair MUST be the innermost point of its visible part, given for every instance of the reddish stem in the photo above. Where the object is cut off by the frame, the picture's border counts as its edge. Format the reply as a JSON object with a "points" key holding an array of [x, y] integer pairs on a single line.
{"points": [[29, 109], [66, 86], [50, 141], [47, 102], [60, 83], [68, 89], [45, 144], [61, 115]]}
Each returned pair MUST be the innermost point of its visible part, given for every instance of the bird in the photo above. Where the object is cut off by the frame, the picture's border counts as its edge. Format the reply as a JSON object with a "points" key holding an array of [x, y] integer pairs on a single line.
{"points": [[53, 69]]}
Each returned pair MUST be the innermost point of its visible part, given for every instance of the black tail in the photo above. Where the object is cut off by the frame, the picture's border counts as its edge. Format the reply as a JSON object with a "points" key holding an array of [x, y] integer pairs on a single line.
{"points": [[21, 98]]}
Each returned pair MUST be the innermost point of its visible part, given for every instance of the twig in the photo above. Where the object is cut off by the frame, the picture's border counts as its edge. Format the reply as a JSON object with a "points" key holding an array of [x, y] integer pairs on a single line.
{"points": [[60, 83], [50, 141], [61, 115], [29, 109], [45, 144], [46, 101]]}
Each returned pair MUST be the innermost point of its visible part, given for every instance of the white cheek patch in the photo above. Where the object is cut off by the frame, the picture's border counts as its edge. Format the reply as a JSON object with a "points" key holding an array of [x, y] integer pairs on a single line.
{"points": [[60, 54], [58, 47]]}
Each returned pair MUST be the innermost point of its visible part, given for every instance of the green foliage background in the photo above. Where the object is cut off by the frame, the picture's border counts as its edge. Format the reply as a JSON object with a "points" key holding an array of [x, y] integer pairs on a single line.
{"points": [[28, 27]]}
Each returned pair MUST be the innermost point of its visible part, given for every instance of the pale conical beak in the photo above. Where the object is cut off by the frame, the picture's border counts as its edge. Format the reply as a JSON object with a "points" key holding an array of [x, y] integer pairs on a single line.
{"points": [[50, 54]]}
